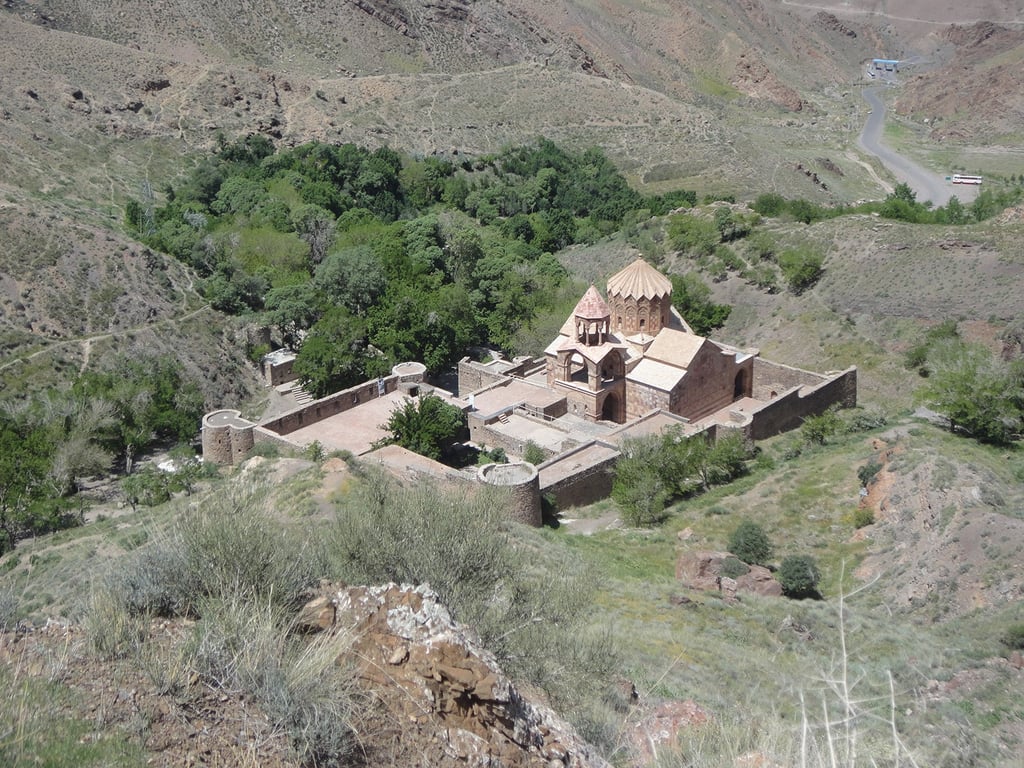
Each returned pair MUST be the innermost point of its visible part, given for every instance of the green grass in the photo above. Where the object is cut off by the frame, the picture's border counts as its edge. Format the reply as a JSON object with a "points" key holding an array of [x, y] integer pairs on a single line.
{"points": [[35, 728]]}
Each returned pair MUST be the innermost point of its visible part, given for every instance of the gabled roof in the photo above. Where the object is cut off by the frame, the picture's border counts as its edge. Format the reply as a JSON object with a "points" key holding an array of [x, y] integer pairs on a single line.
{"points": [[655, 374], [674, 347], [595, 353], [592, 306], [639, 281]]}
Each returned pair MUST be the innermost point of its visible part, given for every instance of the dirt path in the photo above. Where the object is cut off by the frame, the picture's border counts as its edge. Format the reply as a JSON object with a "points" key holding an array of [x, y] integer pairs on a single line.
{"points": [[86, 341]]}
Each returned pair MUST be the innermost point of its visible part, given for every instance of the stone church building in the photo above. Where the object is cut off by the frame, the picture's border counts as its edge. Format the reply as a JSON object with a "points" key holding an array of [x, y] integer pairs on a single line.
{"points": [[618, 358]]}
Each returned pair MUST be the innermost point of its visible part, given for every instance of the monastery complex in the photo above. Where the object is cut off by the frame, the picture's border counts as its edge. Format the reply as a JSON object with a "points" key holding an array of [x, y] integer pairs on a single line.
{"points": [[623, 365]]}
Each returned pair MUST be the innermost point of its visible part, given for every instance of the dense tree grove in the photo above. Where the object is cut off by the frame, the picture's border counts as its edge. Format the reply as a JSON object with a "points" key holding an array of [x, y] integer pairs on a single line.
{"points": [[374, 257], [52, 441]]}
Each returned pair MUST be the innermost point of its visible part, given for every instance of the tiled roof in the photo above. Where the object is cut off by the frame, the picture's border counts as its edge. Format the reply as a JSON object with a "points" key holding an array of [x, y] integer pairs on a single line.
{"points": [[675, 347], [639, 280], [657, 375], [592, 306]]}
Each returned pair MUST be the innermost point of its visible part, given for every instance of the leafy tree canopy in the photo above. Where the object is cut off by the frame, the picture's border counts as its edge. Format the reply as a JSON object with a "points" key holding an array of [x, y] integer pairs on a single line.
{"points": [[426, 425]]}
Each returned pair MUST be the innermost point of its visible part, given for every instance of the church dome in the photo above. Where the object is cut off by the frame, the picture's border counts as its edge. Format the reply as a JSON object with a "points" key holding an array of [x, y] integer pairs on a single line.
{"points": [[639, 281]]}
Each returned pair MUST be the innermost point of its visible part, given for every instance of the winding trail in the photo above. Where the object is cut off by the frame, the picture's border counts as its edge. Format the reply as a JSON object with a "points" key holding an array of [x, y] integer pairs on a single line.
{"points": [[926, 184]]}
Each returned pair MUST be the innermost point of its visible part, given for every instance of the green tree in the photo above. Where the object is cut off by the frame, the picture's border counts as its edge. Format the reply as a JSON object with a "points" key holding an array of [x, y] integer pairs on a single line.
{"points": [[979, 394], [353, 277], [292, 309], [799, 576], [151, 399], [694, 235], [751, 544], [692, 298], [336, 354], [426, 425], [769, 204]]}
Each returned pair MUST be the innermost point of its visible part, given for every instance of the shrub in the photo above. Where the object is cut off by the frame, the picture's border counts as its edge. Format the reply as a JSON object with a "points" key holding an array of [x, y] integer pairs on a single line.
{"points": [[863, 516], [533, 453], [1013, 637], [243, 646], [799, 576], [801, 268], [112, 631], [867, 473], [227, 546], [769, 204], [750, 543], [818, 429], [733, 568]]}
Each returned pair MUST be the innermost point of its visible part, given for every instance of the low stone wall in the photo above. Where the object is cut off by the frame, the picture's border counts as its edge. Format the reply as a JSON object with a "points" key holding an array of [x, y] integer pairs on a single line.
{"points": [[590, 482], [474, 375], [788, 410], [318, 410]]}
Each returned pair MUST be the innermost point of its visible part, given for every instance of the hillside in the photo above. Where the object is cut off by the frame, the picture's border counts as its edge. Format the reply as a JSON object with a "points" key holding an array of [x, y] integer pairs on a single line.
{"points": [[102, 103]]}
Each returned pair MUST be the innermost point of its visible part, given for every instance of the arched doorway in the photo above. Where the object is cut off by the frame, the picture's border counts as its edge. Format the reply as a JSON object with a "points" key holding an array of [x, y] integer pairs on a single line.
{"points": [[739, 387], [610, 409]]}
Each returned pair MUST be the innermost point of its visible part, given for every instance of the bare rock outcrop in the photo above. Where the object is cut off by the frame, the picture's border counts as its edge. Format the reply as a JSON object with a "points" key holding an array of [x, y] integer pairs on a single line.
{"points": [[440, 688], [702, 570]]}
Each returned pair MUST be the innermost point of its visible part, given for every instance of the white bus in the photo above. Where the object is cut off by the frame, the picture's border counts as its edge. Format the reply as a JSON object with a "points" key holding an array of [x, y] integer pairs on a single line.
{"points": [[963, 178]]}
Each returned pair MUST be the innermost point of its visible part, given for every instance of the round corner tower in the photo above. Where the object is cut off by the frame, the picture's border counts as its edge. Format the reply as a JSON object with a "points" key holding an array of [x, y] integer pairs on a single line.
{"points": [[640, 298], [523, 482]]}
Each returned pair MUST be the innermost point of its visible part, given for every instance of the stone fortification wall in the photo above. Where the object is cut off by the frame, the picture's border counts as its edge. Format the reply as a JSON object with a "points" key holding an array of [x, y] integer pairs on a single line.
{"points": [[772, 377], [523, 483], [474, 375], [482, 432], [331, 405], [789, 409], [227, 437], [574, 480]]}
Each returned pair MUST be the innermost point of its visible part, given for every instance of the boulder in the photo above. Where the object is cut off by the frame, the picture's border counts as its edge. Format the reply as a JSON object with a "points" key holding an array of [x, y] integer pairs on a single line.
{"points": [[431, 675], [657, 730], [702, 570]]}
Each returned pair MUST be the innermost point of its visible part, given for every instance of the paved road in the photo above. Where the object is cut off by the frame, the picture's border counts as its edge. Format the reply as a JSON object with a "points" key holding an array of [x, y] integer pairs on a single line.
{"points": [[926, 185]]}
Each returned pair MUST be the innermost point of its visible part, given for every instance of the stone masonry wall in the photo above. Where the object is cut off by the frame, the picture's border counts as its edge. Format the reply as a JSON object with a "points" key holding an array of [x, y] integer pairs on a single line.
{"points": [[709, 383], [328, 406], [586, 486], [474, 375], [788, 410], [774, 377]]}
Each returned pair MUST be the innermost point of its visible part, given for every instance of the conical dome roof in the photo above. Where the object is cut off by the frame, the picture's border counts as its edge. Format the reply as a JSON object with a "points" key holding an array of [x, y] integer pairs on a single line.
{"points": [[592, 306], [639, 281]]}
